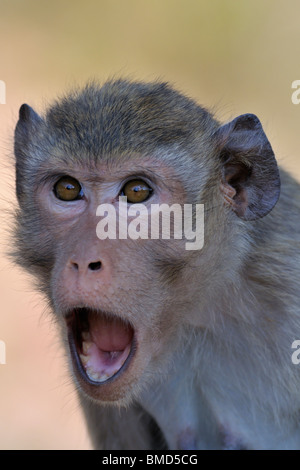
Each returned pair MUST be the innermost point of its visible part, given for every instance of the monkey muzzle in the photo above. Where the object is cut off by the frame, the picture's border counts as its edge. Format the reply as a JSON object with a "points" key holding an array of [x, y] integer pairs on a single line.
{"points": [[101, 344]]}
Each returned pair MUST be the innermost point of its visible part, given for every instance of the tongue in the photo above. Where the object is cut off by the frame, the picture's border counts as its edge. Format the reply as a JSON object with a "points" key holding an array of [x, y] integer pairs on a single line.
{"points": [[109, 334]]}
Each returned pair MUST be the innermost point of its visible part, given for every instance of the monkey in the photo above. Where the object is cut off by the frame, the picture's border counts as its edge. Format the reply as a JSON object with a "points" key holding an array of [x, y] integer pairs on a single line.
{"points": [[168, 348]]}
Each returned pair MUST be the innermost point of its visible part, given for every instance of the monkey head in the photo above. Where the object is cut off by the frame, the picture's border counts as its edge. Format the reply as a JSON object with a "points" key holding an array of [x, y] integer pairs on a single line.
{"points": [[122, 305]]}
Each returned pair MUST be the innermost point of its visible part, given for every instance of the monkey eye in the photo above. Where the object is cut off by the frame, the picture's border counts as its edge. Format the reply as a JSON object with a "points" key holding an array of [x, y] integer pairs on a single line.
{"points": [[136, 191], [68, 189]]}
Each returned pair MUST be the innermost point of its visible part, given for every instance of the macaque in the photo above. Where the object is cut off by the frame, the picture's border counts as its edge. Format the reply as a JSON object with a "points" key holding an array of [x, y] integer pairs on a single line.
{"points": [[169, 348]]}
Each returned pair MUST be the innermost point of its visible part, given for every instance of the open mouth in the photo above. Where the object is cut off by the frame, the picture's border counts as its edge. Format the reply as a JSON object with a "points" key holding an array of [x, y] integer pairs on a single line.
{"points": [[100, 343]]}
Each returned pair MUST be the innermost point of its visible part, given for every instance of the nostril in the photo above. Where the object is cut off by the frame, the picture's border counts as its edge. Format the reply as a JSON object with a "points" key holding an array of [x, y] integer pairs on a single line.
{"points": [[75, 266], [95, 266]]}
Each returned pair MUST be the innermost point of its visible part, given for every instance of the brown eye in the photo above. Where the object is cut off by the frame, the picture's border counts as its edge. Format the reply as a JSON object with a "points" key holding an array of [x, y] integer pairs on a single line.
{"points": [[136, 191], [68, 189]]}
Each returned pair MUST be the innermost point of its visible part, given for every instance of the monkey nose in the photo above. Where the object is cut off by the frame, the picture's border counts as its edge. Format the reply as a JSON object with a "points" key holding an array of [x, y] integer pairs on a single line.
{"points": [[84, 276], [93, 266]]}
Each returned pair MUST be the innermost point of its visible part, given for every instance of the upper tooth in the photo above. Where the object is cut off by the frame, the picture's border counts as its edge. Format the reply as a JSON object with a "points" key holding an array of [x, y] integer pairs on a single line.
{"points": [[86, 335], [84, 359], [86, 345]]}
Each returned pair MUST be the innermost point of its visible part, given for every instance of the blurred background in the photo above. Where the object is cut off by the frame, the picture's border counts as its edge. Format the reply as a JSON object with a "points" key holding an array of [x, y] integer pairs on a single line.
{"points": [[232, 56]]}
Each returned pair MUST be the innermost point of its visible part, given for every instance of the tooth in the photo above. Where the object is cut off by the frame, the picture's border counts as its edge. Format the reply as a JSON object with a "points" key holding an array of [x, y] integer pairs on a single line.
{"points": [[95, 376], [103, 377], [92, 374], [86, 345], [86, 335], [84, 359]]}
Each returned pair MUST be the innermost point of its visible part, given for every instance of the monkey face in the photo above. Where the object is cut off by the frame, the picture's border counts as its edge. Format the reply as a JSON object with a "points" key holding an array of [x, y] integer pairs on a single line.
{"points": [[99, 288]]}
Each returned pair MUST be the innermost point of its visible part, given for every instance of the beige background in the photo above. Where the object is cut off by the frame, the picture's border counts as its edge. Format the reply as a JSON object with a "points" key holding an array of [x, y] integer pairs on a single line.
{"points": [[232, 56]]}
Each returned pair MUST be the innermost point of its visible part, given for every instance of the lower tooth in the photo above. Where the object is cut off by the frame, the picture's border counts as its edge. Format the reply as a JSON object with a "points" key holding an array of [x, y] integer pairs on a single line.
{"points": [[96, 376], [85, 358], [92, 375], [103, 378]]}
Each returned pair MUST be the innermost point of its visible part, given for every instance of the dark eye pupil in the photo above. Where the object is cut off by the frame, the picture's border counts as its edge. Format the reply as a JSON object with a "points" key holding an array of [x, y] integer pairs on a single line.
{"points": [[68, 189]]}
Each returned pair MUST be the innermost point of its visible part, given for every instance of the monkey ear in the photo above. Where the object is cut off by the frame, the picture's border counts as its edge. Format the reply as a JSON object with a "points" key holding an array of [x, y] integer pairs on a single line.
{"points": [[26, 130], [250, 179], [28, 119]]}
